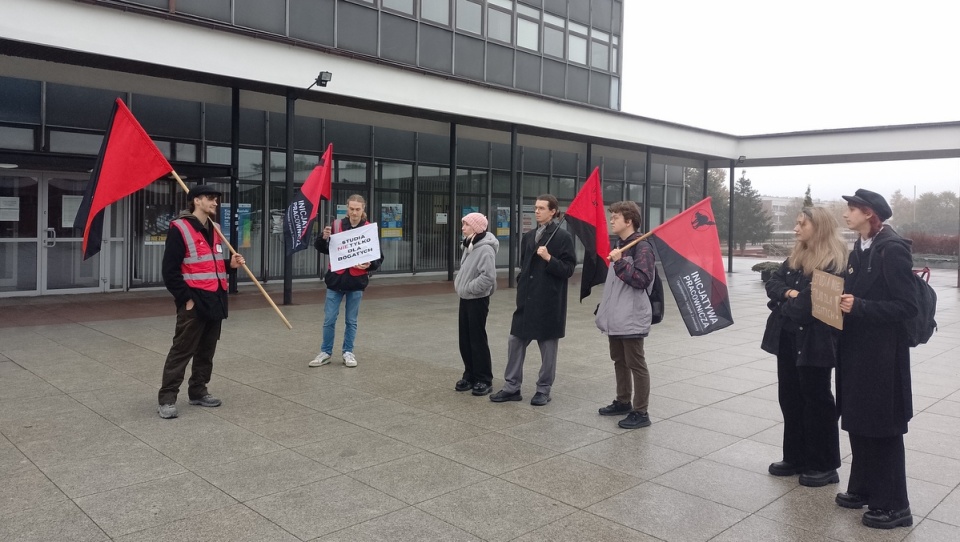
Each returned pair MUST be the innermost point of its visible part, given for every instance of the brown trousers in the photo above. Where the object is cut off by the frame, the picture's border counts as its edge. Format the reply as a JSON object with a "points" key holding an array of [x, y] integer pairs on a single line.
{"points": [[630, 368], [194, 338]]}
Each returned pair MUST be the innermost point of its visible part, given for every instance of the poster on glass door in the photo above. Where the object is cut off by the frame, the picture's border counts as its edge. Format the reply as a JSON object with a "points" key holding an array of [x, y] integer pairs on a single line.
{"points": [[391, 220]]}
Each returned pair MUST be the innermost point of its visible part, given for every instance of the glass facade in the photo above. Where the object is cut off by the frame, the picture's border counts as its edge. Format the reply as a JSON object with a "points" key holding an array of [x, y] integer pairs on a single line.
{"points": [[427, 34], [403, 175]]}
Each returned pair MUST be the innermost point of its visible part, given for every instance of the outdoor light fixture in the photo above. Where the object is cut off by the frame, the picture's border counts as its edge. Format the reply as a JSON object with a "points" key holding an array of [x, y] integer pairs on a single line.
{"points": [[322, 80], [8, 166], [741, 159]]}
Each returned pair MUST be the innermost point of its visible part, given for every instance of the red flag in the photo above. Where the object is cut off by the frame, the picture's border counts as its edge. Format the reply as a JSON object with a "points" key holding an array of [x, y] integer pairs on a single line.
{"points": [[128, 161], [302, 211], [689, 248], [588, 220]]}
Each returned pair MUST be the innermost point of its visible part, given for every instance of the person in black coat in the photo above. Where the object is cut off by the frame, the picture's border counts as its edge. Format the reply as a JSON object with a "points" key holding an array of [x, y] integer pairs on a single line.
{"points": [[547, 261], [806, 351], [873, 373]]}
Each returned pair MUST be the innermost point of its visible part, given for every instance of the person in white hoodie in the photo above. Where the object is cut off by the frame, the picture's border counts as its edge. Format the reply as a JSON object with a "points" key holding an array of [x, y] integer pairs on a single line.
{"points": [[475, 283]]}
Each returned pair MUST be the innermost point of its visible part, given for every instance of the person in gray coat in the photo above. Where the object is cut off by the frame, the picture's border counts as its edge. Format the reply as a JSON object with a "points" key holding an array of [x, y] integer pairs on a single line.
{"points": [[625, 315], [475, 283]]}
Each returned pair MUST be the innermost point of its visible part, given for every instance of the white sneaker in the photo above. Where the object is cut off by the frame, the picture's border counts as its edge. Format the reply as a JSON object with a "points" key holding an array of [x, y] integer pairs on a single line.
{"points": [[349, 359], [322, 358]]}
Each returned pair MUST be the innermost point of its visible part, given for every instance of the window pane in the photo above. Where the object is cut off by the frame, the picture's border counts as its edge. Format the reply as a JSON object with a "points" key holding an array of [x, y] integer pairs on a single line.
{"points": [[528, 34], [578, 49], [211, 9], [436, 48], [21, 100], [437, 11], [406, 6], [528, 11], [469, 16], [577, 83], [499, 65], [554, 20], [312, 20], [502, 3], [357, 29], [615, 93], [469, 57], [554, 78], [79, 107], [498, 25], [21, 139], [73, 142], [553, 41], [269, 15], [167, 116], [600, 89], [398, 39], [600, 56], [614, 60], [528, 72], [574, 27], [579, 10], [598, 35]]}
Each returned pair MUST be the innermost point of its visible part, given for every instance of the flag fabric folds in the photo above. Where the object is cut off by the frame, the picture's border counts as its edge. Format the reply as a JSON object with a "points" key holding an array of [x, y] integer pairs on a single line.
{"points": [[128, 161], [688, 246], [588, 220], [302, 211]]}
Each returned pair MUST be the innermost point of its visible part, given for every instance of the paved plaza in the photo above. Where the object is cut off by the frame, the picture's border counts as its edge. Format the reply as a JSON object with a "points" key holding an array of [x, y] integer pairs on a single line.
{"points": [[388, 451]]}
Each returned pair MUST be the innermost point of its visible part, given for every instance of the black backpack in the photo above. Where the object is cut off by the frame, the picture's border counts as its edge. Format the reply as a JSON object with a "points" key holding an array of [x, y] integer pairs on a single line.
{"points": [[921, 327], [656, 298]]}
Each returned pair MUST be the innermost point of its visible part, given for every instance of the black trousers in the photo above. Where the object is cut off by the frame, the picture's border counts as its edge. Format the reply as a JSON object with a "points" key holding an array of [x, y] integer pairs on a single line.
{"points": [[474, 349], [878, 471], [194, 338], [811, 437]]}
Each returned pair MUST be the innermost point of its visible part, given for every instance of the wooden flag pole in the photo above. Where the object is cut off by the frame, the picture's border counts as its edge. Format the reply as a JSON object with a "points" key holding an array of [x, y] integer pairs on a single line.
{"points": [[635, 241], [232, 252]]}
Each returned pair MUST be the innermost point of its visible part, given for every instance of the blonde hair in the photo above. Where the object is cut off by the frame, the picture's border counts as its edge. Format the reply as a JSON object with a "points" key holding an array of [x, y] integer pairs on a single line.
{"points": [[826, 250], [359, 199]]}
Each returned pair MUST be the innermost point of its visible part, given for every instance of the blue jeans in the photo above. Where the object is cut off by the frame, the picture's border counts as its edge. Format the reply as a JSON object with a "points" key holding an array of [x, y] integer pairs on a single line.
{"points": [[331, 310]]}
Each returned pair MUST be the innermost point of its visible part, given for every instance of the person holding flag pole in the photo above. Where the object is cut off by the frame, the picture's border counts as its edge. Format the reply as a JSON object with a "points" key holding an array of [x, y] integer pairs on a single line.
{"points": [[625, 314], [129, 161]]}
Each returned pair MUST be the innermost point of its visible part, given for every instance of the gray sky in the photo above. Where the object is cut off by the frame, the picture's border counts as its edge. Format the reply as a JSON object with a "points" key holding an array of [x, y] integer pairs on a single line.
{"points": [[755, 66]]}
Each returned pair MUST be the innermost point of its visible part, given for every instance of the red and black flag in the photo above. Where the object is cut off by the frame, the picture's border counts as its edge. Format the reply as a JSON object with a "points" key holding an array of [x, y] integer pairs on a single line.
{"points": [[588, 220], [128, 161], [302, 211], [689, 248]]}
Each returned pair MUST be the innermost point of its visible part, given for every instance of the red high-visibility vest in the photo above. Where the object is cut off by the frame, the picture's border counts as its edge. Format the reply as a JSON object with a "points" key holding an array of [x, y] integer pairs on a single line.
{"points": [[203, 268]]}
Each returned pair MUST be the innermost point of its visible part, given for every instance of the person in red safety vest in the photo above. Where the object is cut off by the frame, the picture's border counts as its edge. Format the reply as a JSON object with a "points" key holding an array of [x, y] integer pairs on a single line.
{"points": [[344, 285], [195, 272]]}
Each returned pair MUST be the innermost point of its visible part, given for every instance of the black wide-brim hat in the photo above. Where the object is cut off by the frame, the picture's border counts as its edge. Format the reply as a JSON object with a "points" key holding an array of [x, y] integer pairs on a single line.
{"points": [[872, 200], [202, 189]]}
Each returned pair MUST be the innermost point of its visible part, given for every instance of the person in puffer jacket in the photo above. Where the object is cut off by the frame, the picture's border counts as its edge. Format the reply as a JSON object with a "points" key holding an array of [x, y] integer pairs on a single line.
{"points": [[475, 283], [625, 315]]}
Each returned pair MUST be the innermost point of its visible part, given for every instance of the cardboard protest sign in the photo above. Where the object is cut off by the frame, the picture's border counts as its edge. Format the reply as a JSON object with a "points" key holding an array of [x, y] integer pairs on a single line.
{"points": [[354, 247], [825, 293]]}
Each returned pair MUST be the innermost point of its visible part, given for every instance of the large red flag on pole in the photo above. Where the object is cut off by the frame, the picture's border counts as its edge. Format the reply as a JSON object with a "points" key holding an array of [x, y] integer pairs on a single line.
{"points": [[689, 248], [588, 220], [128, 161], [302, 211]]}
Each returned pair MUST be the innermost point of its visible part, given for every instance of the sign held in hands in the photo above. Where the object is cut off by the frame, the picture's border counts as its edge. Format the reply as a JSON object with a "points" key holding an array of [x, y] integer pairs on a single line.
{"points": [[354, 247], [825, 294]]}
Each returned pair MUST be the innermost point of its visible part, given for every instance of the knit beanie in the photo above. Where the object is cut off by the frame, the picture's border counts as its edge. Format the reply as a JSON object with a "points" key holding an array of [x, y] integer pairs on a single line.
{"points": [[476, 221]]}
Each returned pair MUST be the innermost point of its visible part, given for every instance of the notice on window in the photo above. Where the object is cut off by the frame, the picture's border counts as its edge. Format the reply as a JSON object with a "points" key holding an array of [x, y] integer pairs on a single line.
{"points": [[391, 220], [354, 247], [441, 218], [10, 209], [503, 222], [68, 210], [825, 293]]}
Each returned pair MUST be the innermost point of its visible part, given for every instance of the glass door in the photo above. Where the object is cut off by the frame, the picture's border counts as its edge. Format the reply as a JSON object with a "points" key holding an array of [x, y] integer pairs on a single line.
{"points": [[62, 268], [19, 241]]}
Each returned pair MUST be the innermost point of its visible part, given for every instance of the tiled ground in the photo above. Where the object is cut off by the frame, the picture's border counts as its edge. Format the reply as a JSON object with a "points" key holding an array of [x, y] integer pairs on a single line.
{"points": [[388, 451]]}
